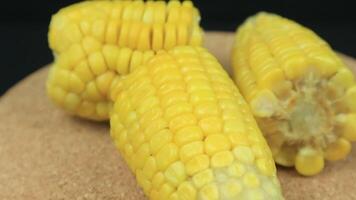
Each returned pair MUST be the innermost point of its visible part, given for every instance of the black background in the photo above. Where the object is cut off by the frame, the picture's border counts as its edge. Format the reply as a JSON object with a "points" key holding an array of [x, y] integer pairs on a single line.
{"points": [[24, 26]]}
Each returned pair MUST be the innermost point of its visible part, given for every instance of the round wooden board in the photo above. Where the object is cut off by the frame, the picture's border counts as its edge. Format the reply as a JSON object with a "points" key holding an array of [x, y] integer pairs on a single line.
{"points": [[47, 154]]}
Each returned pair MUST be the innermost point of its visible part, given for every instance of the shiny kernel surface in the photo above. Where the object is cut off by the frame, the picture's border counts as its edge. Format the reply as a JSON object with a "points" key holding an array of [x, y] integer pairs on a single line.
{"points": [[189, 150], [222, 159], [96, 42], [197, 164], [215, 143], [188, 134], [186, 190], [211, 125], [244, 154], [187, 153], [175, 173], [202, 178], [209, 192], [231, 189]]}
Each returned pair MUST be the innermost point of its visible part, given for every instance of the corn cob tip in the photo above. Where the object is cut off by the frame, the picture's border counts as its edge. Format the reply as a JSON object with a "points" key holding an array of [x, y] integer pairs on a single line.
{"points": [[301, 93]]}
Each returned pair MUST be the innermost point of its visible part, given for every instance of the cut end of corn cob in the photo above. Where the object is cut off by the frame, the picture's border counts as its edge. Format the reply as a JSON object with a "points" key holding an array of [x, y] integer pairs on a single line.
{"points": [[187, 133], [97, 42], [301, 93]]}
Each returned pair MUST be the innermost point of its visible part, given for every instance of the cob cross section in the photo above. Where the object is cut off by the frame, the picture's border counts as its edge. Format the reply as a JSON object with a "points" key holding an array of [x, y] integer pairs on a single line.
{"points": [[96, 42], [301, 93], [186, 132]]}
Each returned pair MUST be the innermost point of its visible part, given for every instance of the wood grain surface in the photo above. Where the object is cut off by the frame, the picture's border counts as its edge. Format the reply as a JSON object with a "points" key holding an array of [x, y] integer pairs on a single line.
{"points": [[47, 154]]}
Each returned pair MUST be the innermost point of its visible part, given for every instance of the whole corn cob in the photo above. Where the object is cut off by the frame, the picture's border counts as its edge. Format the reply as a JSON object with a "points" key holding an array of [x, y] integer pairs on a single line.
{"points": [[302, 95], [187, 133], [94, 42]]}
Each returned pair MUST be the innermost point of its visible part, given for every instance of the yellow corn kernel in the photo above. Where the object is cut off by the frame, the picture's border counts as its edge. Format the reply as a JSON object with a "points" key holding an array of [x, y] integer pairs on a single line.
{"points": [[189, 150], [87, 108], [286, 156], [182, 34], [182, 121], [237, 139], [97, 63], [222, 159], [92, 92], [170, 36], [174, 196], [83, 72], [166, 156], [309, 161], [111, 53], [158, 180], [197, 164], [111, 32], [187, 191], [143, 42], [123, 61], [104, 81], [157, 38], [175, 173], [350, 98], [141, 155], [348, 127], [244, 154], [93, 39], [266, 166], [251, 180], [177, 141], [98, 29], [91, 45], [231, 189], [234, 126], [264, 104], [153, 128], [150, 167], [338, 150], [154, 195], [299, 90], [75, 84], [176, 109], [236, 170], [72, 101], [60, 78], [160, 139], [206, 109], [188, 134], [102, 109], [202, 178], [165, 191], [211, 125], [209, 192], [215, 143], [142, 180], [343, 78]]}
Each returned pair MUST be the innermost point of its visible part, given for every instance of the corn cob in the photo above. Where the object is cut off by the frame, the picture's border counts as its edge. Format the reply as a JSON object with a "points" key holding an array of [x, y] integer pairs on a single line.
{"points": [[187, 133], [302, 95], [95, 42]]}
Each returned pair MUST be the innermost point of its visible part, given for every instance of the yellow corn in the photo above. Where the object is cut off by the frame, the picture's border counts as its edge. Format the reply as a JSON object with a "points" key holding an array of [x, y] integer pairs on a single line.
{"points": [[187, 133], [177, 119], [302, 95], [94, 42]]}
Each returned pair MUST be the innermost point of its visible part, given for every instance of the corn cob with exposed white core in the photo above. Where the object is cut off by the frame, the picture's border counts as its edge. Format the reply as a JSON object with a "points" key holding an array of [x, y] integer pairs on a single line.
{"points": [[301, 93]]}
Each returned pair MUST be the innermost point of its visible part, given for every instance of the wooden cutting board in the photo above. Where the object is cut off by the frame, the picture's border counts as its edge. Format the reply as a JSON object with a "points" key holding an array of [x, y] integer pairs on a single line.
{"points": [[47, 154]]}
